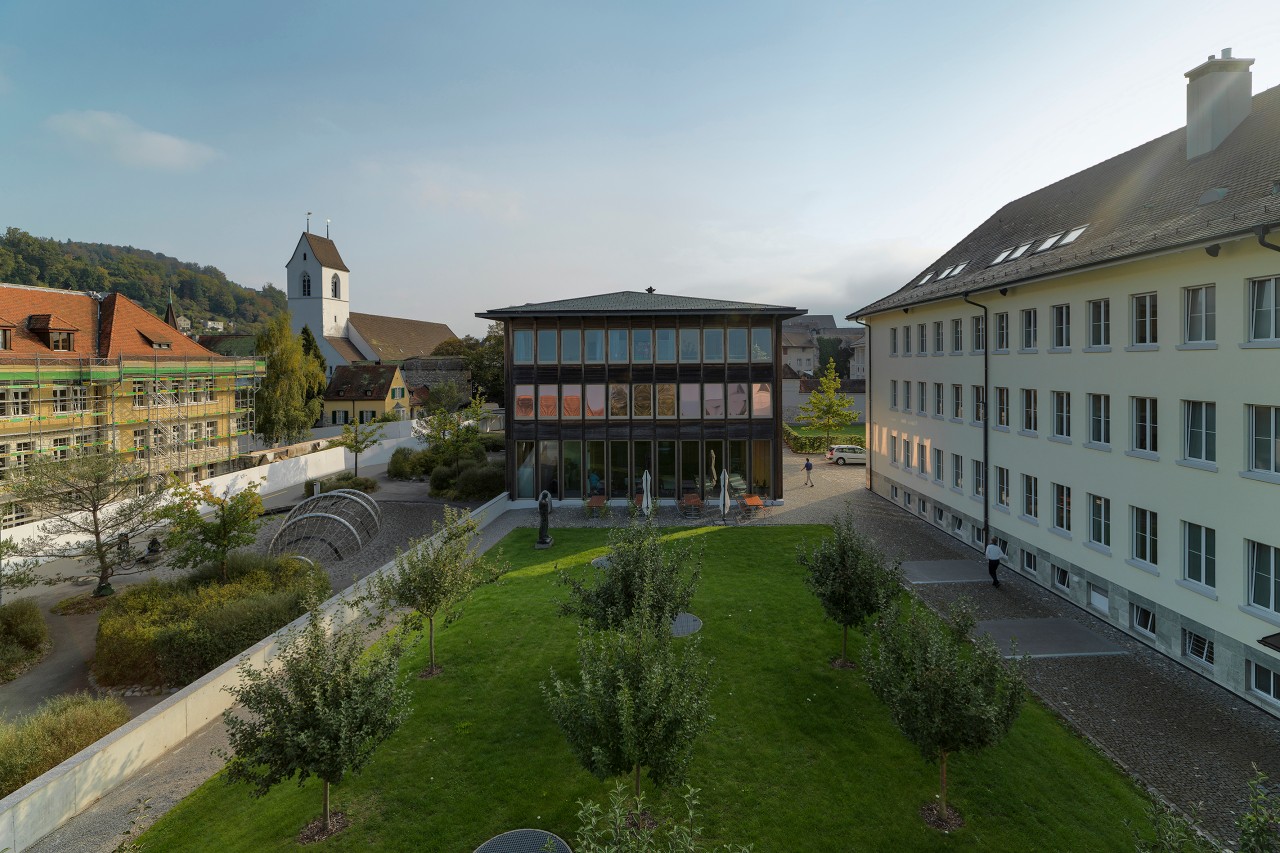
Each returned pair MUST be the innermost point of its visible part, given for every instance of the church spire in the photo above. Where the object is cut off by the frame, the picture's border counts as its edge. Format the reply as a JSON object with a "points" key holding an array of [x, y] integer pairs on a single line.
{"points": [[171, 316]]}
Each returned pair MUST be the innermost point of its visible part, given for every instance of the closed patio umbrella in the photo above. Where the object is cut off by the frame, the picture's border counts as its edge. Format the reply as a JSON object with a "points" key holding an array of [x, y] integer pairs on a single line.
{"points": [[724, 494], [646, 480]]}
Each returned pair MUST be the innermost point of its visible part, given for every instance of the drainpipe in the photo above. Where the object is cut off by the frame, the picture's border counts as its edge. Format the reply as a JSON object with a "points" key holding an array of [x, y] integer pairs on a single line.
{"points": [[866, 418], [1262, 231], [986, 419]]}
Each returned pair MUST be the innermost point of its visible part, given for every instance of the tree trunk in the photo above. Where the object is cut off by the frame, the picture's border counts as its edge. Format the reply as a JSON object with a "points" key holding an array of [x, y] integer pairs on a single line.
{"points": [[328, 822], [942, 813], [99, 551], [356, 465], [844, 644], [431, 639]]}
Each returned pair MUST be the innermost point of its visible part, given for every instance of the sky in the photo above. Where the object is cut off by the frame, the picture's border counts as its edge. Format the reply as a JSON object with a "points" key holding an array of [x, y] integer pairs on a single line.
{"points": [[475, 155]]}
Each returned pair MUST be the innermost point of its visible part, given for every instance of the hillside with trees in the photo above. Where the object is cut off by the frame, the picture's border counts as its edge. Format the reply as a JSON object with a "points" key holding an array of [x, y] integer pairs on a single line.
{"points": [[199, 292]]}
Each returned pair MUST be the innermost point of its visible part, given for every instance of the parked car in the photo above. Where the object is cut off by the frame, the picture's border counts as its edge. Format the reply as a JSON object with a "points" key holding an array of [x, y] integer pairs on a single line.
{"points": [[844, 454]]}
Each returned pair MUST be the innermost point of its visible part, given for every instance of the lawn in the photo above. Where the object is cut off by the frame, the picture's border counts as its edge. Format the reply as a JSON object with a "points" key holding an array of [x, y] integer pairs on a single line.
{"points": [[801, 756], [854, 434]]}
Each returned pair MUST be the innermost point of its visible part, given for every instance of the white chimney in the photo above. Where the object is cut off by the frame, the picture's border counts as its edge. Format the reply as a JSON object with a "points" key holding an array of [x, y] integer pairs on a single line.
{"points": [[1219, 95]]}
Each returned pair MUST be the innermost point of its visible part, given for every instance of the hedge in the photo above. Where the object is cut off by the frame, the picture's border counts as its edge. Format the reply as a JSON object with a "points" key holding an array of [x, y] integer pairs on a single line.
{"points": [[23, 634], [172, 632], [59, 728]]}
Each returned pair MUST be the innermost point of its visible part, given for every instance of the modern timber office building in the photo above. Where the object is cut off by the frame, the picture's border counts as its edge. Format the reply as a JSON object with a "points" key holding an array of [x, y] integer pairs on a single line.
{"points": [[603, 388], [81, 371], [1093, 375]]}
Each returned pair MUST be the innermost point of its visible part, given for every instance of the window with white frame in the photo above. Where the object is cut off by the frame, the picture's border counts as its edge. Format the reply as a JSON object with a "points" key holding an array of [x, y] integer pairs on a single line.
{"points": [[1062, 414], [957, 401], [1002, 407], [893, 341], [1029, 329], [1030, 410], [893, 450], [979, 478], [957, 470], [922, 338], [957, 336], [895, 492], [1142, 619], [1030, 496], [893, 393], [1002, 487], [1061, 577], [906, 500], [921, 396], [906, 340], [1199, 436], [1265, 682], [924, 507], [906, 454], [937, 337], [1098, 598], [1264, 439], [957, 525], [1100, 520], [1062, 507], [979, 404], [937, 464], [1100, 418], [939, 516], [1199, 549], [1264, 309], [1002, 331], [1143, 331], [1198, 648], [979, 327], [922, 457], [1029, 561], [1145, 425], [1100, 323], [906, 396], [1199, 315], [1145, 535], [1061, 326], [937, 399], [1263, 562], [975, 533]]}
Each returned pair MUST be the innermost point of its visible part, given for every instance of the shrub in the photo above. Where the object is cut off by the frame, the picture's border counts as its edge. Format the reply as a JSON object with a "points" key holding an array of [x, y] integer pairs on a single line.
{"points": [[348, 480], [173, 632], [442, 479], [480, 482], [401, 464], [475, 451], [59, 728], [22, 623], [493, 442]]}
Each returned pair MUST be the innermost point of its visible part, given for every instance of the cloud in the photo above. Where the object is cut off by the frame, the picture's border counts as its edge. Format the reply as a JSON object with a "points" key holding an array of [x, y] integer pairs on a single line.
{"points": [[130, 144]]}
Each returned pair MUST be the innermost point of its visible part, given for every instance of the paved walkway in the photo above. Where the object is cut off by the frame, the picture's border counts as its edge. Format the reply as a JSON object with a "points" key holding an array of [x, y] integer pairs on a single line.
{"points": [[1178, 733]]}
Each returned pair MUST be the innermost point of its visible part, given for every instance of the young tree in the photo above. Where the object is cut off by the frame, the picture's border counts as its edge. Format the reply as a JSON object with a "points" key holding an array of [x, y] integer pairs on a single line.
{"points": [[850, 577], [321, 708], [639, 703], [450, 433], [446, 397], [357, 438], [645, 578], [945, 693], [826, 409], [194, 540], [284, 407], [92, 503], [834, 349], [1259, 824], [484, 357], [615, 830], [433, 574], [311, 349]]}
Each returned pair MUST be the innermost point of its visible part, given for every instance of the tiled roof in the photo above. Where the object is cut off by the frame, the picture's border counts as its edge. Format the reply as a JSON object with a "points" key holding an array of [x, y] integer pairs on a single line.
{"points": [[1144, 201], [361, 382], [128, 329], [633, 302], [50, 323], [395, 339], [811, 321], [797, 339], [345, 348], [326, 252]]}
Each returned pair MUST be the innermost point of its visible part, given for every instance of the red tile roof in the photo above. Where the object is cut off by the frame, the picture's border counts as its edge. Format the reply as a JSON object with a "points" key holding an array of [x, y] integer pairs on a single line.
{"points": [[128, 329]]}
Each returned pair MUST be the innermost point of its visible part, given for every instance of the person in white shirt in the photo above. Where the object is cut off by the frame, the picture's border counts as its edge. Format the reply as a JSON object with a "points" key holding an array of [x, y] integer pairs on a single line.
{"points": [[994, 556]]}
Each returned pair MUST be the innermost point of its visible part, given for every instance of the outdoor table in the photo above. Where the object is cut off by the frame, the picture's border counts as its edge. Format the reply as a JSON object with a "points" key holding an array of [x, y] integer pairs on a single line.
{"points": [[595, 506]]}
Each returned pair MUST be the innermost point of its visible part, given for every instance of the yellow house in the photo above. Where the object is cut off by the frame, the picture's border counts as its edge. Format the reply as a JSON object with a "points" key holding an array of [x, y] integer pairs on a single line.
{"points": [[365, 392]]}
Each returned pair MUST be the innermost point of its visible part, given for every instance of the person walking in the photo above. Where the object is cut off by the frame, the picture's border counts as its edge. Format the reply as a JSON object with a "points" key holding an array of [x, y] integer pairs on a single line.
{"points": [[994, 556], [808, 472]]}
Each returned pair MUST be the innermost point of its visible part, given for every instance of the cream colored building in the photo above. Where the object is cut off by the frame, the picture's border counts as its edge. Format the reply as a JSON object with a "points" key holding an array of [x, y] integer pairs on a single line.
{"points": [[1093, 375]]}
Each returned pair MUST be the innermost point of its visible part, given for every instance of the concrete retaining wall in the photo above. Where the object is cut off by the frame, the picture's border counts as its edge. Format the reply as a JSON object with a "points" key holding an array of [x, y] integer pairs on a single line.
{"points": [[45, 803]]}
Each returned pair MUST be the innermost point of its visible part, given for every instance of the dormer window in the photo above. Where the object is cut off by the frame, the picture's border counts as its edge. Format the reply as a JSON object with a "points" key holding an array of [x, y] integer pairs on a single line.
{"points": [[6, 339], [335, 286], [306, 284], [61, 341]]}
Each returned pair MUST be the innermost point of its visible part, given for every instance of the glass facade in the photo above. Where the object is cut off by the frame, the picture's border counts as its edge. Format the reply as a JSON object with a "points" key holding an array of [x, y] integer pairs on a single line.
{"points": [[690, 400]]}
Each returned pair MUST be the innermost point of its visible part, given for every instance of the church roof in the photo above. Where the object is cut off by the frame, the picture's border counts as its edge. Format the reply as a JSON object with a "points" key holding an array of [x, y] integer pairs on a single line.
{"points": [[395, 338], [344, 348], [326, 252]]}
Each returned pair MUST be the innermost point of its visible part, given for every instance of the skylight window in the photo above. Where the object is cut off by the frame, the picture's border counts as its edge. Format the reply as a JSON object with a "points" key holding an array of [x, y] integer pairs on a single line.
{"points": [[959, 267], [1019, 252], [1048, 242], [924, 280], [1070, 236], [1000, 257], [945, 273]]}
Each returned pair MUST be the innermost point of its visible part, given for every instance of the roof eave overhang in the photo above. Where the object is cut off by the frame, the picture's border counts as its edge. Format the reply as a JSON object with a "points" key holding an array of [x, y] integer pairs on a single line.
{"points": [[784, 313], [1201, 243]]}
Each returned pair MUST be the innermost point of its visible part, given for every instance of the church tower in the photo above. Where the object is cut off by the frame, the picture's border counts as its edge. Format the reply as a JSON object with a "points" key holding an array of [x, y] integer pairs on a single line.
{"points": [[318, 287]]}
